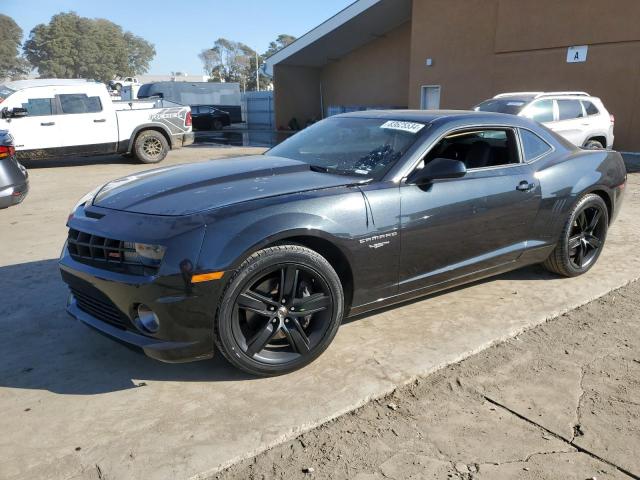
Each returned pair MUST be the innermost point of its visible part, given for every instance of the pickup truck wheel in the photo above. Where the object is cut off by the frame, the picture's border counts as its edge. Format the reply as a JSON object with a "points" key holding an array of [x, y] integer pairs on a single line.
{"points": [[593, 145], [150, 147]]}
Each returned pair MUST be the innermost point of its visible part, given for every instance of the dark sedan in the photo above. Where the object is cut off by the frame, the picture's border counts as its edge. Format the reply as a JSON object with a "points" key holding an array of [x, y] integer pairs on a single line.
{"points": [[14, 179], [262, 257], [209, 118]]}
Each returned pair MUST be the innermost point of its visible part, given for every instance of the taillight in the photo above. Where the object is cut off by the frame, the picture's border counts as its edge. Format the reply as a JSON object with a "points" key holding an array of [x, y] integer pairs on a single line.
{"points": [[187, 121], [7, 151], [613, 119]]}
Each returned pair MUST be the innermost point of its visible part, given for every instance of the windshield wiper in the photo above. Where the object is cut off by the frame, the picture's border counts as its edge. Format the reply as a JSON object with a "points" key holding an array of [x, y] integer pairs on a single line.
{"points": [[318, 168]]}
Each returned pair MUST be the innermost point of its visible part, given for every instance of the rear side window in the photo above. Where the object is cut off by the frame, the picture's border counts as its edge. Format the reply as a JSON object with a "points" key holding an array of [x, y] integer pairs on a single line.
{"points": [[37, 107], [541, 111], [569, 109], [79, 103], [532, 145], [590, 108]]}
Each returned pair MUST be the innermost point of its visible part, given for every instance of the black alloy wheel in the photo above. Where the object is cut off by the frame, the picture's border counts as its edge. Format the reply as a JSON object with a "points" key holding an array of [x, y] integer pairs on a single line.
{"points": [[280, 311], [582, 238]]}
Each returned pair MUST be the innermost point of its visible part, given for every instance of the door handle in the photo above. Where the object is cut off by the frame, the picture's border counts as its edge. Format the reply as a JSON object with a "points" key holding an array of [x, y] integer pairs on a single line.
{"points": [[47, 124], [100, 120], [525, 186]]}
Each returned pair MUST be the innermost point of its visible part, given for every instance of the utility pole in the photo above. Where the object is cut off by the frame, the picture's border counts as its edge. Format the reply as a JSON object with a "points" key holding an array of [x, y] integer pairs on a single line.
{"points": [[257, 73]]}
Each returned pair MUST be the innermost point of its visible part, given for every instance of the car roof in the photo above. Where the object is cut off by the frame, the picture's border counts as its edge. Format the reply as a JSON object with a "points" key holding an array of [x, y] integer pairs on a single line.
{"points": [[430, 116], [45, 82]]}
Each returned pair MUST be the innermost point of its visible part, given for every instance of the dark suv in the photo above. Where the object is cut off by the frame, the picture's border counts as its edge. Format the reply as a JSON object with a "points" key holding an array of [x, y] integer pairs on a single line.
{"points": [[206, 117]]}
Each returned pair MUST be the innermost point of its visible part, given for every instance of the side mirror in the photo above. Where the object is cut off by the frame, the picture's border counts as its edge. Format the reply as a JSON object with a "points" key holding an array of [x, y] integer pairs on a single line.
{"points": [[18, 112], [436, 169]]}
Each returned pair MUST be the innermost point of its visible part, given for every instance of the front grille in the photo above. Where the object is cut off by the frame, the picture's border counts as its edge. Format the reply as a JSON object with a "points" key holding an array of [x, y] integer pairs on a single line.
{"points": [[100, 308], [107, 253]]}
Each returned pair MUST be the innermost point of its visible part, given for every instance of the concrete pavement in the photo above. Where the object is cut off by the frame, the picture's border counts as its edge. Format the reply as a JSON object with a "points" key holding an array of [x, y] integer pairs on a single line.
{"points": [[77, 405]]}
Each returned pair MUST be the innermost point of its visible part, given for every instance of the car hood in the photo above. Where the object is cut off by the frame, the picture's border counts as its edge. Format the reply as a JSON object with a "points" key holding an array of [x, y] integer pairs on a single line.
{"points": [[193, 188]]}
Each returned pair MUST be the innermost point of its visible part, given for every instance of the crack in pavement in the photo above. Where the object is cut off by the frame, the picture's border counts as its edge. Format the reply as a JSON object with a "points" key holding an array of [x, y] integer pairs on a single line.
{"points": [[562, 438]]}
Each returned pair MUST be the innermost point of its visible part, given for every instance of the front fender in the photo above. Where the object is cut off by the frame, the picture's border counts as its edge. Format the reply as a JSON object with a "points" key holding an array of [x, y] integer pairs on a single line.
{"points": [[238, 231], [343, 220]]}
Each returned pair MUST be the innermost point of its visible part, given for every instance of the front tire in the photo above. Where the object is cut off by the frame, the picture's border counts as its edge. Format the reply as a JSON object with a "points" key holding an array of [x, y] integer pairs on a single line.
{"points": [[280, 311], [150, 147], [582, 239]]}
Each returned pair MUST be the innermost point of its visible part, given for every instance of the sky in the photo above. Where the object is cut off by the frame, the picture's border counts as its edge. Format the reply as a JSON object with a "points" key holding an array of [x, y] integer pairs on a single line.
{"points": [[180, 29]]}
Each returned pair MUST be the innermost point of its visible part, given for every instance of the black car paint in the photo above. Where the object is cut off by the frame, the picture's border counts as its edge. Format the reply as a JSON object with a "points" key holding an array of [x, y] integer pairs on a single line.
{"points": [[204, 117], [390, 241], [14, 178]]}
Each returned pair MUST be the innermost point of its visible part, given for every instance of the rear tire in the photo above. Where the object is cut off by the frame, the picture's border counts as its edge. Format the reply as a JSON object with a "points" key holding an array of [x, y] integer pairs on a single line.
{"points": [[593, 145], [582, 239], [280, 310], [150, 147]]}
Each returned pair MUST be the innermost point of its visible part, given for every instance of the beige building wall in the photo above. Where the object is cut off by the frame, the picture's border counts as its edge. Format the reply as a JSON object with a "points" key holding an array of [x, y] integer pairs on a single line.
{"points": [[483, 47], [296, 94], [376, 74]]}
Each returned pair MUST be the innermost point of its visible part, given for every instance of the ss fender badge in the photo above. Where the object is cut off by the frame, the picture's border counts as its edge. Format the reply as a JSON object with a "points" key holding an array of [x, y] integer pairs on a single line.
{"points": [[376, 239]]}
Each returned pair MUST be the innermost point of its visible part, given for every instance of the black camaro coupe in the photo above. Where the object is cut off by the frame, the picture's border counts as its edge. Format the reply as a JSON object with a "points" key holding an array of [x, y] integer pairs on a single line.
{"points": [[262, 257]]}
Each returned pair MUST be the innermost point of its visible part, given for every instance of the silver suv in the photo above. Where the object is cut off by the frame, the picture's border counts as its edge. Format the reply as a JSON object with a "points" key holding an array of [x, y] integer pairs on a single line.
{"points": [[577, 116]]}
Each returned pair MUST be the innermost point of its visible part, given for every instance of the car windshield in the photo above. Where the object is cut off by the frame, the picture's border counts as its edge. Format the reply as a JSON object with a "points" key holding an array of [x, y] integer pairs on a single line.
{"points": [[351, 146], [5, 92], [504, 105]]}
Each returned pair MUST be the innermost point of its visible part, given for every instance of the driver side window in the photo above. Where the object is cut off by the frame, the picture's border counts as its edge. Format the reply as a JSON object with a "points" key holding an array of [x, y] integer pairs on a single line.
{"points": [[478, 148]]}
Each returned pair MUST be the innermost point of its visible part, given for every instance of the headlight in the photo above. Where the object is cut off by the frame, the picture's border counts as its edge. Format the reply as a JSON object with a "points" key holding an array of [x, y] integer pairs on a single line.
{"points": [[85, 199], [150, 255]]}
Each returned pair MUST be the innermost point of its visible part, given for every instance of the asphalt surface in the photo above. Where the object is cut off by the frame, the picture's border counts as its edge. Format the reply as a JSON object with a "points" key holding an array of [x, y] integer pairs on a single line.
{"points": [[76, 405]]}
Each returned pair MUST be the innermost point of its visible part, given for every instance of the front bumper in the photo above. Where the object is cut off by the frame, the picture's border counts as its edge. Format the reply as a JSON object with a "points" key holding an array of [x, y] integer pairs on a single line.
{"points": [[106, 297], [107, 302]]}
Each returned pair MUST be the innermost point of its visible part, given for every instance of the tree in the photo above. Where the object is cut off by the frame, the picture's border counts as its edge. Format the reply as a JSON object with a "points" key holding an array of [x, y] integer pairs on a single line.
{"points": [[282, 41], [230, 61], [12, 65], [70, 46]]}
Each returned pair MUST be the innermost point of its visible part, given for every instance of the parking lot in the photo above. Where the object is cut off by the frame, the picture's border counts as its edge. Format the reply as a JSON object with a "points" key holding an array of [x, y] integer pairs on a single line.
{"points": [[79, 406]]}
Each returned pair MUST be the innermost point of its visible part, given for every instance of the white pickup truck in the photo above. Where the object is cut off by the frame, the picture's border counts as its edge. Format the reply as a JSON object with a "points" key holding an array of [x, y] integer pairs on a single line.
{"points": [[54, 118]]}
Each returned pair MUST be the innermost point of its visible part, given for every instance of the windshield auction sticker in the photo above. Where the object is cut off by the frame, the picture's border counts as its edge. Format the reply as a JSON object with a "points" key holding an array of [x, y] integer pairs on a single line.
{"points": [[409, 127]]}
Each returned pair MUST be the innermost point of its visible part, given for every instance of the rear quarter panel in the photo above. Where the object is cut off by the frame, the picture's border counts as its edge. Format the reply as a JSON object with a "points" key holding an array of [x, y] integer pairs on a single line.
{"points": [[564, 178]]}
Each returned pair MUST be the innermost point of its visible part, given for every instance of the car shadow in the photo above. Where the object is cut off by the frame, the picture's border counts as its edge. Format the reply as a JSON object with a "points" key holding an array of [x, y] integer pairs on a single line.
{"points": [[42, 348], [533, 272]]}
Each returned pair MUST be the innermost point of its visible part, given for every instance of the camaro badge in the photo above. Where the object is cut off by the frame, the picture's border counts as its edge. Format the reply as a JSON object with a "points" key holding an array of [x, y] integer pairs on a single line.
{"points": [[379, 237]]}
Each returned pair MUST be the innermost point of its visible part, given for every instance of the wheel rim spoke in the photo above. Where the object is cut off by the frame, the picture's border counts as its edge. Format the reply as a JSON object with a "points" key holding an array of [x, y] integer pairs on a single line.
{"points": [[254, 302], [297, 337], [288, 282], [574, 242], [580, 255], [582, 221], [312, 304], [593, 241], [594, 221], [261, 339]]}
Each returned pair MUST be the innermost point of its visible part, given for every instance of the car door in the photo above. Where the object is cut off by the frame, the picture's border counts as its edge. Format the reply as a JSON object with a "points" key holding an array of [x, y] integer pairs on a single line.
{"points": [[38, 131], [572, 122], [455, 227], [86, 126]]}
